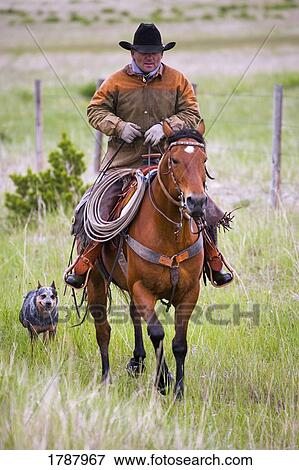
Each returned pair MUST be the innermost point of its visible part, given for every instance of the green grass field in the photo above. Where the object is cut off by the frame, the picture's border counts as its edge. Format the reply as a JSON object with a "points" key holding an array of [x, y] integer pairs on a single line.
{"points": [[242, 386], [241, 375]]}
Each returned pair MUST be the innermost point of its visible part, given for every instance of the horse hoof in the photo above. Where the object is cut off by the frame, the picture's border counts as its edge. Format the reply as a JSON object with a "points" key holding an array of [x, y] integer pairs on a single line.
{"points": [[135, 368], [106, 380], [178, 393], [166, 383]]}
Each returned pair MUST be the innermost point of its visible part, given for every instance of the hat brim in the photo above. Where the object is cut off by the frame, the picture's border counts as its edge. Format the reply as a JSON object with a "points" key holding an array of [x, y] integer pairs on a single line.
{"points": [[146, 48]]}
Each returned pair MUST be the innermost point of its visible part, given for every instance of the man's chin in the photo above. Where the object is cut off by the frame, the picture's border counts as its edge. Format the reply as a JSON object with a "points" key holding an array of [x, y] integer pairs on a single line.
{"points": [[148, 69]]}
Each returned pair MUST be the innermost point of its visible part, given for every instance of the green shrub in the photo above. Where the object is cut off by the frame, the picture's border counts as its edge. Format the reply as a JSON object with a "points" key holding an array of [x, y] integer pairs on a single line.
{"points": [[12, 11], [285, 5], [290, 80], [52, 17], [207, 17], [79, 18], [4, 136], [157, 15], [60, 185], [88, 90], [108, 10]]}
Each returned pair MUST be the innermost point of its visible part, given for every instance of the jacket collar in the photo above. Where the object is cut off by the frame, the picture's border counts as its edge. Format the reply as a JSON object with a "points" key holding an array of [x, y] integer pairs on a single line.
{"points": [[128, 69]]}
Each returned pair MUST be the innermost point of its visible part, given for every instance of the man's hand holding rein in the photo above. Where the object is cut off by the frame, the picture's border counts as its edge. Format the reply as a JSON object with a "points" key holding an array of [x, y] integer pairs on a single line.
{"points": [[130, 132], [154, 134]]}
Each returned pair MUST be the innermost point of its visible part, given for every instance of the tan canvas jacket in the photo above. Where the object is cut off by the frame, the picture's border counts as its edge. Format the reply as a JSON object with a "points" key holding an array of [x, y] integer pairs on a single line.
{"points": [[125, 97]]}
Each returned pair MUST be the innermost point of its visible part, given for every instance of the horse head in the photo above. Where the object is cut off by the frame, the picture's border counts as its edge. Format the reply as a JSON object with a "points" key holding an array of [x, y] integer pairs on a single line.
{"points": [[183, 165]]}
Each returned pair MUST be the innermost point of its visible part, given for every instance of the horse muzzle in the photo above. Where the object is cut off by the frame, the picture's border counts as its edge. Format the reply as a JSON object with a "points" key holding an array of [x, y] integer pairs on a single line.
{"points": [[196, 205]]}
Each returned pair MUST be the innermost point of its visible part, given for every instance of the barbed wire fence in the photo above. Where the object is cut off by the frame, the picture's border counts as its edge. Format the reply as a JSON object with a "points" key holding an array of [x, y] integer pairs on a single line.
{"points": [[276, 102]]}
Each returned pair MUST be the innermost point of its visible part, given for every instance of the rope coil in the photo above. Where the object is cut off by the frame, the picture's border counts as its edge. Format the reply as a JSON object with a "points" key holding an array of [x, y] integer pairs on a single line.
{"points": [[99, 229]]}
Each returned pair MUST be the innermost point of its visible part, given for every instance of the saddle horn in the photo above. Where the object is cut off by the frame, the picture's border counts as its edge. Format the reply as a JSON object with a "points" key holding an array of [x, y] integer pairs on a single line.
{"points": [[167, 129]]}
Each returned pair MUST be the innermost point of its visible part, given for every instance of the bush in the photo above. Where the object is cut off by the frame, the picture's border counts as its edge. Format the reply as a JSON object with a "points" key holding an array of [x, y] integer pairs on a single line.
{"points": [[79, 18], [61, 184], [88, 90]]}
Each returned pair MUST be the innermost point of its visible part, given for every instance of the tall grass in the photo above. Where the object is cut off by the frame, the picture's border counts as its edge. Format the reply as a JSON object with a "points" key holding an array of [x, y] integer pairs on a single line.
{"points": [[241, 377]]}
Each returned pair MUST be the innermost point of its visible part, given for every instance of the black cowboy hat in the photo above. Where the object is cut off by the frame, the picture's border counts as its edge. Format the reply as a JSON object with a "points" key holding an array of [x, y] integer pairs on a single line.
{"points": [[147, 38]]}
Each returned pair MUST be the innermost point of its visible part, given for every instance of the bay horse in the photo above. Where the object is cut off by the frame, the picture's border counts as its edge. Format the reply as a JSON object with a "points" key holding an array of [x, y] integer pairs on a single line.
{"points": [[165, 257]]}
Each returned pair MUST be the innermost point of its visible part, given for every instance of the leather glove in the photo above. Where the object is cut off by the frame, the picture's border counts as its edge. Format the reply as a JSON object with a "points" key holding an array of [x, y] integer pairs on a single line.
{"points": [[130, 132], [154, 134]]}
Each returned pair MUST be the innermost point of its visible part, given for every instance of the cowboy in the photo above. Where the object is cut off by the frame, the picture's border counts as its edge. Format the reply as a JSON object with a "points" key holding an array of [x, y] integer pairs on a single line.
{"points": [[131, 106]]}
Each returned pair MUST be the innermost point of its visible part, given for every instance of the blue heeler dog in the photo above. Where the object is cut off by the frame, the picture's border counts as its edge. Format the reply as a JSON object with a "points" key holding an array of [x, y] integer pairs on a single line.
{"points": [[39, 313]]}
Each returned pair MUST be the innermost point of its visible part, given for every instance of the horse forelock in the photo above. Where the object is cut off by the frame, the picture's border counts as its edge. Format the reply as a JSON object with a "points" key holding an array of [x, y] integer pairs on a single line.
{"points": [[186, 133]]}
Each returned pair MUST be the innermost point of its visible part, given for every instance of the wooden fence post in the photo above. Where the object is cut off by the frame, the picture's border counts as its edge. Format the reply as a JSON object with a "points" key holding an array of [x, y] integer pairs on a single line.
{"points": [[99, 140], [38, 125], [276, 146]]}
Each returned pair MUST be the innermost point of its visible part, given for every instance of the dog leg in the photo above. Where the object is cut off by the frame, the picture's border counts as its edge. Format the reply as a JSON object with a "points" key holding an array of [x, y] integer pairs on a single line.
{"points": [[45, 336], [52, 334]]}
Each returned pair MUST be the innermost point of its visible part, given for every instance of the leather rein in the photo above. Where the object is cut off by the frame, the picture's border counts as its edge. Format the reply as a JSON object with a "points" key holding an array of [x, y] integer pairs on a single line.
{"points": [[180, 202], [171, 172]]}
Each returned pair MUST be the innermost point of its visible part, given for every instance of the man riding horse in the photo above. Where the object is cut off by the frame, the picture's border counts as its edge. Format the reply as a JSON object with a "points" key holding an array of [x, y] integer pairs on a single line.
{"points": [[131, 106]]}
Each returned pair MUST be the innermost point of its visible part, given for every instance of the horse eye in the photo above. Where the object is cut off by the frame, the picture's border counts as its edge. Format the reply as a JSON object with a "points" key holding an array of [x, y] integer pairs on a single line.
{"points": [[53, 296], [174, 161], [43, 296]]}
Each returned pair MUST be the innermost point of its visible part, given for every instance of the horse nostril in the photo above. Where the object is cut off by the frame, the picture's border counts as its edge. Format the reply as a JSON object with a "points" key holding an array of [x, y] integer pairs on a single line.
{"points": [[197, 204], [190, 202]]}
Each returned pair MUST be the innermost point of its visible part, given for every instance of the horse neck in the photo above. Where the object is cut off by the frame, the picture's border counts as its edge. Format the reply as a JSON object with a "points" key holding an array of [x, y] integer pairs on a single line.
{"points": [[166, 228]]}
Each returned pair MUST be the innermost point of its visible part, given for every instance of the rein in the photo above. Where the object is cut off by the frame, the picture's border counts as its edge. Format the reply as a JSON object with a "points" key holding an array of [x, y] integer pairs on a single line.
{"points": [[170, 168], [180, 203]]}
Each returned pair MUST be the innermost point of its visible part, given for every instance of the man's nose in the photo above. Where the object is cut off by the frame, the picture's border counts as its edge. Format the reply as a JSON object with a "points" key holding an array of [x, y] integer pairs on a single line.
{"points": [[196, 204]]}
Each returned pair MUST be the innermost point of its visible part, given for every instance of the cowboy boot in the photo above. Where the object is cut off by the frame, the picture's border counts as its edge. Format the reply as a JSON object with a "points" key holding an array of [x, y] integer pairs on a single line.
{"points": [[83, 265], [213, 259]]}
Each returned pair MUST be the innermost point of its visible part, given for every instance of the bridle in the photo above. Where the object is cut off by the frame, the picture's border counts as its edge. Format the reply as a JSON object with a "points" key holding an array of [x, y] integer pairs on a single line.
{"points": [[180, 202]]}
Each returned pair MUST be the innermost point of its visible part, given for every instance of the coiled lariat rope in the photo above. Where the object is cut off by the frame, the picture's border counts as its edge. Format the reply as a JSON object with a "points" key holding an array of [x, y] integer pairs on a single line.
{"points": [[99, 229]]}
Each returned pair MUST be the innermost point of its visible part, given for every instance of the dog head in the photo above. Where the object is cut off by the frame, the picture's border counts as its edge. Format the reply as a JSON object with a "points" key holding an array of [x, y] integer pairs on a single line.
{"points": [[46, 299]]}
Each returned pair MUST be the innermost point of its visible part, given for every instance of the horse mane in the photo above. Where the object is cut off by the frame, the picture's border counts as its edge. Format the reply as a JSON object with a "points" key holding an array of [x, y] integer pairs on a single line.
{"points": [[186, 133]]}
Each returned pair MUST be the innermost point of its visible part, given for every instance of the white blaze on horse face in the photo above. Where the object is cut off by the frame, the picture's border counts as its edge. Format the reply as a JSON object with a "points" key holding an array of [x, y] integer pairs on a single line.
{"points": [[189, 149]]}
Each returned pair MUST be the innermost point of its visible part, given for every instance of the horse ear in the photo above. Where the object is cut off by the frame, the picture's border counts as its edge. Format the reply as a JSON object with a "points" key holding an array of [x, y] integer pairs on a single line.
{"points": [[53, 285], [201, 127], [39, 285], [168, 132]]}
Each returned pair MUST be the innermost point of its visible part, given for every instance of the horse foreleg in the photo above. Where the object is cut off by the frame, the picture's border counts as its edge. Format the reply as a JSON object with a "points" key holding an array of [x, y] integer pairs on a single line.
{"points": [[97, 302], [145, 305], [136, 365], [183, 313]]}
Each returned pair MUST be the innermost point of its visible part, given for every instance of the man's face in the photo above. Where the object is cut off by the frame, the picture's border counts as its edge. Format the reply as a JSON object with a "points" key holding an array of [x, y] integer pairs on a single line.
{"points": [[147, 62]]}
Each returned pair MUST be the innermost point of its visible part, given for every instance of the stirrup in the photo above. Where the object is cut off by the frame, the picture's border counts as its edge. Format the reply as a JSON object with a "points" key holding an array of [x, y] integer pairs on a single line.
{"points": [[86, 279], [228, 266], [68, 271]]}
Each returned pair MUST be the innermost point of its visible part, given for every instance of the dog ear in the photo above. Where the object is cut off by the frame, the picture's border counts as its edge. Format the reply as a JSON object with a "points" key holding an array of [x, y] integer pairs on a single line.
{"points": [[167, 129], [39, 285], [53, 285]]}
